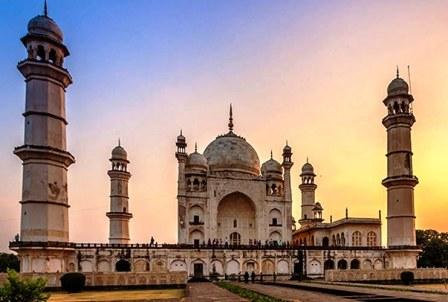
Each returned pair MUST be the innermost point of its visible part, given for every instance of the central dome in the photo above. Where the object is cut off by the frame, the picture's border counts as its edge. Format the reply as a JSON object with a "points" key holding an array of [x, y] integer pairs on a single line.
{"points": [[232, 153]]}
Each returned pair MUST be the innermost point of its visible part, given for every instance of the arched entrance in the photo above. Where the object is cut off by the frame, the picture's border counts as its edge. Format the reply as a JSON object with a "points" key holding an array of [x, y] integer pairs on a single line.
{"points": [[354, 264], [342, 264], [328, 264], [236, 214], [122, 265]]}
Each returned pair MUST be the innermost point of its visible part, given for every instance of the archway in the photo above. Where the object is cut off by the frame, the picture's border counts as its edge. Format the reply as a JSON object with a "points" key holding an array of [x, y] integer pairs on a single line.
{"points": [[354, 264], [236, 213], [328, 264], [325, 241], [342, 264], [122, 265], [196, 237], [275, 237]]}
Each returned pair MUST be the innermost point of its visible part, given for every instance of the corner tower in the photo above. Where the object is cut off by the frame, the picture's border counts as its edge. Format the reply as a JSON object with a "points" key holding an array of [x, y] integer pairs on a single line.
{"points": [[181, 156], [308, 189], [44, 214], [400, 180], [119, 215]]}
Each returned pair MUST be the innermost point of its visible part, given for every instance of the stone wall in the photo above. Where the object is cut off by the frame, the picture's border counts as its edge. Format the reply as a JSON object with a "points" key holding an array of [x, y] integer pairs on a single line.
{"points": [[384, 275], [114, 279]]}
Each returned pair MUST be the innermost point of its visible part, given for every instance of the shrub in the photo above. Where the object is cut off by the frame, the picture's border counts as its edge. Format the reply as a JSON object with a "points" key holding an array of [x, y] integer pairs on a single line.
{"points": [[16, 289], [73, 282], [407, 277]]}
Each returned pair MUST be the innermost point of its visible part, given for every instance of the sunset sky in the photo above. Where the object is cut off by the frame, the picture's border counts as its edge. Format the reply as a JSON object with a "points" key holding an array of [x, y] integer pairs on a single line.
{"points": [[310, 72]]}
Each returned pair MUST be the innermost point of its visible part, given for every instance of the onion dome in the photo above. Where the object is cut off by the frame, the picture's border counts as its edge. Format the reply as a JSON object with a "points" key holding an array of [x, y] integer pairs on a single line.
{"points": [[397, 86], [42, 25], [307, 168], [119, 153], [197, 161], [232, 153], [181, 138], [271, 167], [287, 149]]}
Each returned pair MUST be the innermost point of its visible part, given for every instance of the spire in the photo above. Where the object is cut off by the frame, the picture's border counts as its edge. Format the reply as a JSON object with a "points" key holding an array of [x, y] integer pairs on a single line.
{"points": [[287, 143], [272, 156], [195, 147], [398, 72], [231, 119], [180, 131], [119, 142], [45, 9], [307, 160]]}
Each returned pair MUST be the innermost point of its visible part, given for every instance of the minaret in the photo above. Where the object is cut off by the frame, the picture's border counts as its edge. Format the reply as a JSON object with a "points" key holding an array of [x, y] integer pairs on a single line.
{"points": [[287, 165], [308, 189], [182, 156], [119, 215], [400, 180], [44, 214]]}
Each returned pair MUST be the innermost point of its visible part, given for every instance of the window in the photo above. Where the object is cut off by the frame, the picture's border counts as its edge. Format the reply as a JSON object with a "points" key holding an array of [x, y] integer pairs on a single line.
{"points": [[274, 221], [356, 238], [235, 224], [196, 218], [371, 239], [235, 238]]}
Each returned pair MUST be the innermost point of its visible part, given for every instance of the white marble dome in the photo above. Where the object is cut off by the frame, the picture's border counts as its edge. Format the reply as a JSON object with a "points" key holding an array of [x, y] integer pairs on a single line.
{"points": [[232, 153]]}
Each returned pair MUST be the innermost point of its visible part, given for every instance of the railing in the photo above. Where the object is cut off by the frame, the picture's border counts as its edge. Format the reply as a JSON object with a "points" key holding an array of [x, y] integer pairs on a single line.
{"points": [[72, 245]]}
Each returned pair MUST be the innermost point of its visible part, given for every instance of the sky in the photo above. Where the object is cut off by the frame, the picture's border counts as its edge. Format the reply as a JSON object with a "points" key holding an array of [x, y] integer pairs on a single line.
{"points": [[310, 72]]}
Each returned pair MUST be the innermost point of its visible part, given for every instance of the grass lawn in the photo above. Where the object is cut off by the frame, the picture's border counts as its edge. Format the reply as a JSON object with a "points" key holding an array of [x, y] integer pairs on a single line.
{"points": [[118, 295]]}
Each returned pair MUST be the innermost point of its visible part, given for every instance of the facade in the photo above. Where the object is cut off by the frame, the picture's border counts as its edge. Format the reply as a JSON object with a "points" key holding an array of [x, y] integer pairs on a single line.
{"points": [[233, 214], [223, 194]]}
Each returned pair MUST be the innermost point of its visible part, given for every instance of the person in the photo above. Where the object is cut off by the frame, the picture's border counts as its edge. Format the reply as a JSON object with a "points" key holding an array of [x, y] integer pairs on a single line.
{"points": [[253, 276], [246, 277], [152, 241]]}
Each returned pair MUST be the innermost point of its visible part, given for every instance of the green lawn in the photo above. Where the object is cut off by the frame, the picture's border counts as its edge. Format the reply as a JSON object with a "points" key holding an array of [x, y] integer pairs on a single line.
{"points": [[118, 295]]}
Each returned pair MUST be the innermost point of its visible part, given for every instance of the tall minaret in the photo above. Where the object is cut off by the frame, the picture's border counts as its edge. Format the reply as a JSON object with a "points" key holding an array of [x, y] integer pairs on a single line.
{"points": [[44, 214], [287, 165], [308, 189], [182, 156], [400, 180], [119, 215]]}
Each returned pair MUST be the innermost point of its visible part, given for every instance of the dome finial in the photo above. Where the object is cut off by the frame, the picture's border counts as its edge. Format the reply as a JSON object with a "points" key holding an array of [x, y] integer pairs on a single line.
{"points": [[119, 142], [45, 9], [398, 72], [196, 147], [230, 119], [272, 156], [307, 160]]}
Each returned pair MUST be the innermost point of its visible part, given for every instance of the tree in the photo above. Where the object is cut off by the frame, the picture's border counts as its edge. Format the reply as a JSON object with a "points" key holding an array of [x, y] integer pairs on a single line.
{"points": [[16, 289], [434, 247], [9, 261]]}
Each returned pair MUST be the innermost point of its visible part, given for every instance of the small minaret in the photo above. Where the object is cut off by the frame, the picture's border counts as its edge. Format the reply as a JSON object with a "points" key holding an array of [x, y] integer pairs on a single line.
{"points": [[119, 215], [400, 180], [308, 189], [287, 165], [44, 214], [182, 156]]}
